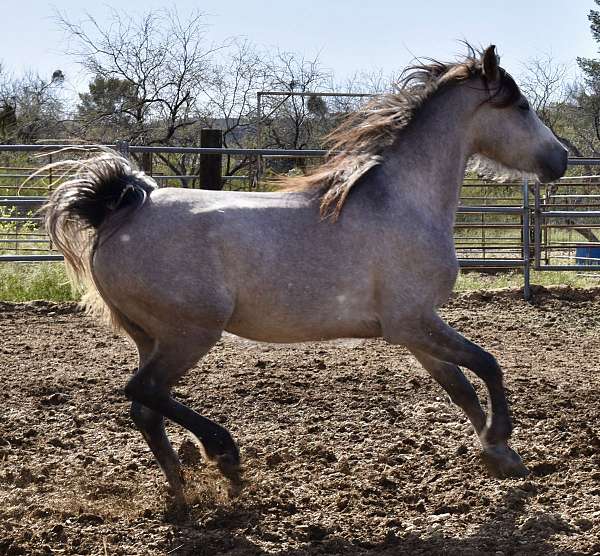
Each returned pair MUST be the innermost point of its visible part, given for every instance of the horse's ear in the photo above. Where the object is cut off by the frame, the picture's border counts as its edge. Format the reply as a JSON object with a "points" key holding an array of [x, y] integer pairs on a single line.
{"points": [[490, 63]]}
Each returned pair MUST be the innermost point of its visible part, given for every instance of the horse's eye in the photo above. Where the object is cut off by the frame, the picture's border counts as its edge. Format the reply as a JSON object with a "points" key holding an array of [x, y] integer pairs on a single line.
{"points": [[523, 105]]}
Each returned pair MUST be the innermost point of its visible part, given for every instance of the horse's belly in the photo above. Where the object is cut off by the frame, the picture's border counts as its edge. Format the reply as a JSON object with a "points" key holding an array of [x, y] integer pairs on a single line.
{"points": [[262, 333], [302, 322]]}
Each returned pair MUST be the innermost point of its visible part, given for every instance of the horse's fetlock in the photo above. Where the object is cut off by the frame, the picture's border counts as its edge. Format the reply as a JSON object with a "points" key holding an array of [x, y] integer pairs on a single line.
{"points": [[497, 433], [221, 446]]}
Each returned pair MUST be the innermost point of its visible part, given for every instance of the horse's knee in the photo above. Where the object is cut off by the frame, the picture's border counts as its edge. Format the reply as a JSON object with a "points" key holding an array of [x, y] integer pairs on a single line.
{"points": [[136, 412], [132, 390]]}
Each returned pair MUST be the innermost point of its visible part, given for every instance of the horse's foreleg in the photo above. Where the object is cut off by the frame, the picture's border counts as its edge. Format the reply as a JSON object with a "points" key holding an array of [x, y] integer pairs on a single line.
{"points": [[151, 387], [435, 338], [152, 427], [458, 387]]}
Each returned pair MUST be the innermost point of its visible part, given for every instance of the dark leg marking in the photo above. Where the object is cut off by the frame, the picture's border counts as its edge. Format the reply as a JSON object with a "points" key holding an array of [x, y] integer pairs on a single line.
{"points": [[438, 340], [152, 427], [458, 387], [151, 385]]}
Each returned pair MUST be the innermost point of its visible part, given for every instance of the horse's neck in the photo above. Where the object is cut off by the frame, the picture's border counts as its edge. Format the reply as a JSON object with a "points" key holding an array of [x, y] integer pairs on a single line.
{"points": [[427, 163]]}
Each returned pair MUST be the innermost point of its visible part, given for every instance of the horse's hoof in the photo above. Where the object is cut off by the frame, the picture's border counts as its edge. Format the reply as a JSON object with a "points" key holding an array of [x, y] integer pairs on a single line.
{"points": [[503, 462], [231, 469], [177, 509], [235, 487]]}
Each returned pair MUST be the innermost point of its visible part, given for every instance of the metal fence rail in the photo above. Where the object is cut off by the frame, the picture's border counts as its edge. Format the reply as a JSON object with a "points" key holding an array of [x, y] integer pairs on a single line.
{"points": [[566, 216]]}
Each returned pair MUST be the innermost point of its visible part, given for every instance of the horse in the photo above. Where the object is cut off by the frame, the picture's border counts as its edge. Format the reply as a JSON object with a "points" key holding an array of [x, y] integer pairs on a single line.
{"points": [[362, 247]]}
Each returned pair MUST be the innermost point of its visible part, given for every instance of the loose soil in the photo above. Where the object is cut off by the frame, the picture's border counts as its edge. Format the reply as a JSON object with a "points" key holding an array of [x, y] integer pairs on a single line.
{"points": [[348, 447]]}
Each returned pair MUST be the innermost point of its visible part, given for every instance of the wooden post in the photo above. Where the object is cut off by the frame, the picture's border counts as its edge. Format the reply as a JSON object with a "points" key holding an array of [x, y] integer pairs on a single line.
{"points": [[147, 163], [211, 164], [122, 148]]}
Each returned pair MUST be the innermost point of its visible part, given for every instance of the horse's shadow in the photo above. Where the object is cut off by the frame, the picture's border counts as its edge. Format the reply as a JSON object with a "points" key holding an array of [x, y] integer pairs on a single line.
{"points": [[500, 534]]}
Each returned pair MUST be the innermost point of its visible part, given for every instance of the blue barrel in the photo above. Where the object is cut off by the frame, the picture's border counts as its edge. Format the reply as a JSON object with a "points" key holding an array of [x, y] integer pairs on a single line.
{"points": [[583, 254]]}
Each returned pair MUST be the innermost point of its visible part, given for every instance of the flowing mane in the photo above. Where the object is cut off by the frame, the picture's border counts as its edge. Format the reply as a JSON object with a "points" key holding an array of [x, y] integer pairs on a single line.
{"points": [[357, 144]]}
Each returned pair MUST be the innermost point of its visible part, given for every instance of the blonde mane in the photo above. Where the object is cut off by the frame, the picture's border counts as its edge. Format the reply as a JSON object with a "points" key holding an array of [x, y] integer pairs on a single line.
{"points": [[357, 144]]}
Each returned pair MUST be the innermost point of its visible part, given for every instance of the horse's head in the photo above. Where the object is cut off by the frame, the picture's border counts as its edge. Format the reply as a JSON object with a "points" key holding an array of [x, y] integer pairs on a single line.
{"points": [[507, 130]]}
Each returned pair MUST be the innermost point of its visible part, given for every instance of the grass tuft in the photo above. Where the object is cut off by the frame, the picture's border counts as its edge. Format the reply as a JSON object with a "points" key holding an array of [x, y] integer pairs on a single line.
{"points": [[474, 281], [31, 281]]}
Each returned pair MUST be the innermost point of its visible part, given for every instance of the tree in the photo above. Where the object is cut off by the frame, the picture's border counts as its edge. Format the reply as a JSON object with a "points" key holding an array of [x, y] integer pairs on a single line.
{"points": [[31, 107], [151, 67], [544, 84], [586, 97], [289, 122], [369, 83], [230, 93], [108, 111], [149, 74], [590, 66]]}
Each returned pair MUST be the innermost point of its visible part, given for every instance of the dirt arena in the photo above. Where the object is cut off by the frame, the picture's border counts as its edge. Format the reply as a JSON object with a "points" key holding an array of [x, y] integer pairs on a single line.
{"points": [[348, 447]]}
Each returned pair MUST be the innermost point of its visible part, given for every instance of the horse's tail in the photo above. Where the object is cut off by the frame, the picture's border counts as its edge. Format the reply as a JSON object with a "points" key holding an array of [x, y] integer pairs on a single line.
{"points": [[100, 192]]}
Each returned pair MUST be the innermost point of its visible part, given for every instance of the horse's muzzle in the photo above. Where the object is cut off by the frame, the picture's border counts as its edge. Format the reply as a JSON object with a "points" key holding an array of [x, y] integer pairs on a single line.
{"points": [[553, 165]]}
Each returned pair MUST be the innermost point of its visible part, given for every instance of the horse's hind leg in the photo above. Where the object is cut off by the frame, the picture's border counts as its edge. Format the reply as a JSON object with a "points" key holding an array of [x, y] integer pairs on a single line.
{"points": [[152, 424], [151, 387], [458, 387], [152, 427], [432, 336]]}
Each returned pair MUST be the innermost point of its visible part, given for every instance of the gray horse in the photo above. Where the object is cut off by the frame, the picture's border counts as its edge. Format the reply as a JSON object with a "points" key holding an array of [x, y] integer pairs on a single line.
{"points": [[361, 248]]}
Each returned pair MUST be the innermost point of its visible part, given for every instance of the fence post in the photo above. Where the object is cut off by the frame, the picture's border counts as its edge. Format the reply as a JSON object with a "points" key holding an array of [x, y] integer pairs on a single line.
{"points": [[258, 160], [526, 242], [50, 176], [211, 164], [537, 238], [122, 148], [147, 163]]}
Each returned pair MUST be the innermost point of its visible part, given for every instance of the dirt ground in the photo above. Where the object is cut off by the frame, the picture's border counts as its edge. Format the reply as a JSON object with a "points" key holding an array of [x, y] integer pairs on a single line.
{"points": [[348, 447]]}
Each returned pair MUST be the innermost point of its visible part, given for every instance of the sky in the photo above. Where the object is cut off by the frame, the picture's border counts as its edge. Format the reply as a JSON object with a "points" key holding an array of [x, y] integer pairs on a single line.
{"points": [[347, 35]]}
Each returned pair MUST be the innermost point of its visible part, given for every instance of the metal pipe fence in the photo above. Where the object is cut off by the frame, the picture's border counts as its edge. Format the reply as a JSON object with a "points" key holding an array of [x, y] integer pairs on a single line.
{"points": [[499, 226]]}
